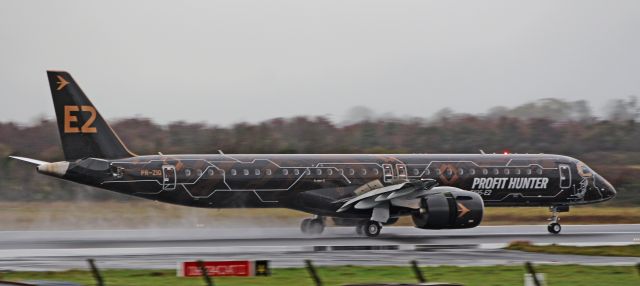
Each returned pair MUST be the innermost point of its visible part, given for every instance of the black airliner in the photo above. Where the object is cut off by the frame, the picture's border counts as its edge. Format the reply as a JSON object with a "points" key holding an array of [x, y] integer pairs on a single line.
{"points": [[439, 191]]}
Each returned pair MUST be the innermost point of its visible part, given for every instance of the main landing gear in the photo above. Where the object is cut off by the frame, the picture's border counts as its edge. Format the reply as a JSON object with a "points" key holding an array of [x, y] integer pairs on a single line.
{"points": [[554, 226], [312, 226], [315, 226], [369, 228]]}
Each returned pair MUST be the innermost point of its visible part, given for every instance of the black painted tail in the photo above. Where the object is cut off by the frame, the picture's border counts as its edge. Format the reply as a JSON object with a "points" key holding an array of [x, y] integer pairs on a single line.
{"points": [[83, 132]]}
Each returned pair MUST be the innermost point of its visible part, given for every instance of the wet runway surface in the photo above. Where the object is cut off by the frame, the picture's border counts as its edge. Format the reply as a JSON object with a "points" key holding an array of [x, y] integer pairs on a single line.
{"points": [[163, 248]]}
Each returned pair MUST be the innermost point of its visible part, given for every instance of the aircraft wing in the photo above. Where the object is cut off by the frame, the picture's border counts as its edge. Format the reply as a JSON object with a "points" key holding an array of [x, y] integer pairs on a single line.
{"points": [[405, 194], [29, 160]]}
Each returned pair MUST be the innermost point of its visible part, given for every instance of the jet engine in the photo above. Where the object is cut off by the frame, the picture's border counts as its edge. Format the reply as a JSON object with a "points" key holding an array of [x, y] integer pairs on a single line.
{"points": [[449, 208]]}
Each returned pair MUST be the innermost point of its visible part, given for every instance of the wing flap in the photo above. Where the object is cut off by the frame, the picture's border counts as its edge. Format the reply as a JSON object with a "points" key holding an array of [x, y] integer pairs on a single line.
{"points": [[402, 194], [370, 194]]}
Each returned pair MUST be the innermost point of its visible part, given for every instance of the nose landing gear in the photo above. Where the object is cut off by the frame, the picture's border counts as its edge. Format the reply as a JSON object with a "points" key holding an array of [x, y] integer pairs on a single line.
{"points": [[554, 226]]}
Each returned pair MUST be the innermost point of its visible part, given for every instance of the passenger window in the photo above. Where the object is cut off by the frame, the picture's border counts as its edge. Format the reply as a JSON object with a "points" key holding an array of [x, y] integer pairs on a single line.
{"points": [[210, 172], [268, 171], [363, 171], [448, 172], [296, 172], [307, 172], [199, 173], [352, 172], [485, 171], [472, 171], [245, 172], [528, 171], [376, 171], [539, 171], [234, 172], [517, 171], [257, 172], [495, 171], [318, 172], [427, 172], [187, 172], [438, 172], [460, 172], [329, 172], [506, 171], [415, 172], [342, 172], [285, 172]]}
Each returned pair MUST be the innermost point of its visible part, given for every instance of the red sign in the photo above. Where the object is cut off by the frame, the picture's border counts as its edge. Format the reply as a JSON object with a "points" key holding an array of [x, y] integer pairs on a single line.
{"points": [[216, 268]]}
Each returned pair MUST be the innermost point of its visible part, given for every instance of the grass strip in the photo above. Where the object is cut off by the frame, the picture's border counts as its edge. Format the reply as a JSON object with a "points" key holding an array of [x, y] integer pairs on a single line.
{"points": [[622, 250], [556, 275]]}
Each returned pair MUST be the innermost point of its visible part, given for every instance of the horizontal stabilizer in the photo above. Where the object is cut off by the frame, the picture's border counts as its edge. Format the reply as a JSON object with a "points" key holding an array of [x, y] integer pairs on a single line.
{"points": [[29, 160]]}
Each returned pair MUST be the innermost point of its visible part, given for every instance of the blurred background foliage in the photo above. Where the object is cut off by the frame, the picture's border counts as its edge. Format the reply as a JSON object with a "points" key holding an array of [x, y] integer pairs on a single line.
{"points": [[609, 143]]}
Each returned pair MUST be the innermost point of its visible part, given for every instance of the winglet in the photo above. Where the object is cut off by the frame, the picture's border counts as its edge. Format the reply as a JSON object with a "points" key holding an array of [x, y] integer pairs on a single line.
{"points": [[29, 160]]}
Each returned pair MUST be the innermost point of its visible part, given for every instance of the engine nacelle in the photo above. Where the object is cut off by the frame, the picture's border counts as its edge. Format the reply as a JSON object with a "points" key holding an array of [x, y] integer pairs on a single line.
{"points": [[449, 208]]}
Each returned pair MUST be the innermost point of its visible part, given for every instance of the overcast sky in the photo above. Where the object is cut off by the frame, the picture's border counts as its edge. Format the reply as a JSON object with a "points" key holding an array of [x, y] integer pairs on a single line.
{"points": [[227, 61]]}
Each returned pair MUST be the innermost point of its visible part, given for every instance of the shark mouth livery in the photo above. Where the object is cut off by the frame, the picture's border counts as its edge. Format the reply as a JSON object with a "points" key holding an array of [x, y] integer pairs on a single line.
{"points": [[367, 191]]}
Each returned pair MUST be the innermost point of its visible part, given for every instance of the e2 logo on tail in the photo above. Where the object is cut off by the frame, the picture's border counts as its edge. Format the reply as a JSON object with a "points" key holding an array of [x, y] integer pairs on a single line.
{"points": [[70, 118]]}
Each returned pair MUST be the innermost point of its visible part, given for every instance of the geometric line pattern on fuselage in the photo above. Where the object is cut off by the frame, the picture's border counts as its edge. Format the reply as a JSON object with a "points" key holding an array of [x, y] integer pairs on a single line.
{"points": [[307, 171]]}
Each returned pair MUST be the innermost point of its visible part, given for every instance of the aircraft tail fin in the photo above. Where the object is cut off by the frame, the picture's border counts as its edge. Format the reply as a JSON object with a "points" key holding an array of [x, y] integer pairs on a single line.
{"points": [[83, 131]]}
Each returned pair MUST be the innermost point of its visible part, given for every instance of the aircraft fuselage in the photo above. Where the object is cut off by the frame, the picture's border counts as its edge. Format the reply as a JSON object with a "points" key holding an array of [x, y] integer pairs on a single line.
{"points": [[319, 183]]}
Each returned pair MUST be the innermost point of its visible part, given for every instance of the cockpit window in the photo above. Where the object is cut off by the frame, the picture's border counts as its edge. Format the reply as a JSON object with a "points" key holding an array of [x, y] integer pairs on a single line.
{"points": [[584, 170]]}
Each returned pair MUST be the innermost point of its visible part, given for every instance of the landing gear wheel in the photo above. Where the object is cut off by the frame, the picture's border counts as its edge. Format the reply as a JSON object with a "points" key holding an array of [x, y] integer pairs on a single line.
{"points": [[554, 225], [316, 226], [304, 225], [360, 228], [372, 228], [312, 226], [554, 228]]}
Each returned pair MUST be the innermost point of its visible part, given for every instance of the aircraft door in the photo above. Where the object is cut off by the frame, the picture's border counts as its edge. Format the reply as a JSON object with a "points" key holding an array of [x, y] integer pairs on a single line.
{"points": [[168, 177], [565, 176], [401, 171], [387, 173]]}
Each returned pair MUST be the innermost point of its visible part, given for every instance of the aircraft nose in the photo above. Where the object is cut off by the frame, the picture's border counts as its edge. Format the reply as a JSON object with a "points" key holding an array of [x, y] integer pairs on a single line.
{"points": [[607, 190]]}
